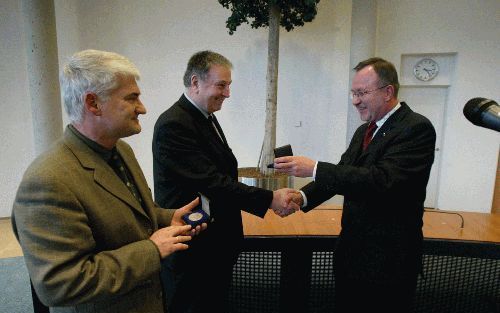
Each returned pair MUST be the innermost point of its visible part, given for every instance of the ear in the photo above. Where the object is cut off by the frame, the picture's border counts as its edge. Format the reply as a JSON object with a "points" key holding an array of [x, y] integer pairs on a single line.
{"points": [[91, 103], [389, 93], [194, 82]]}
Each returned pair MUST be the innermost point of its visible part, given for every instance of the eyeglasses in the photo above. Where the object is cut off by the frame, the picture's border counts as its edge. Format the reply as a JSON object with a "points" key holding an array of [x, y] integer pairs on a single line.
{"points": [[361, 94]]}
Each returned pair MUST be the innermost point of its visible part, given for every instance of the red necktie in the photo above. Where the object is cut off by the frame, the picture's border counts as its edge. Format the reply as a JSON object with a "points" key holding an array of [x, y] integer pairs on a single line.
{"points": [[369, 134]]}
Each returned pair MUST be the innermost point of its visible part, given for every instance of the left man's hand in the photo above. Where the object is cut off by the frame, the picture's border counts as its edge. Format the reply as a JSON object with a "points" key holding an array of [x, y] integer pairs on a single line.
{"points": [[299, 166], [178, 221], [283, 201]]}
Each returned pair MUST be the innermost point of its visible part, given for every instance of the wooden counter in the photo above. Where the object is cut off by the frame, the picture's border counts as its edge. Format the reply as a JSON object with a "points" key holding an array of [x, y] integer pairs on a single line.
{"points": [[325, 221]]}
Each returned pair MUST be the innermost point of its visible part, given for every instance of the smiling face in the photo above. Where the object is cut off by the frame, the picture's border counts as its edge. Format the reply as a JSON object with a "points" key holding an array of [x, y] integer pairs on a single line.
{"points": [[376, 102], [119, 113], [211, 92]]}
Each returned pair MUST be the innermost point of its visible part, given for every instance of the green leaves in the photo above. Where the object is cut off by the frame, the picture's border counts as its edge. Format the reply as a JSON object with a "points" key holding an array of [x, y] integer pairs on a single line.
{"points": [[294, 13]]}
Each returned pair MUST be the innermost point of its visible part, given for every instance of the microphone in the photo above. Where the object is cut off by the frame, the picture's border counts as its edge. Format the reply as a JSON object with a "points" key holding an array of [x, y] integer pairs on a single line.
{"points": [[483, 112]]}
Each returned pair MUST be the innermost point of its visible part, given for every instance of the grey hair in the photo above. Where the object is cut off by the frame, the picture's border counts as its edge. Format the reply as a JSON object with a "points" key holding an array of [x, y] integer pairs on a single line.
{"points": [[200, 63], [92, 71]]}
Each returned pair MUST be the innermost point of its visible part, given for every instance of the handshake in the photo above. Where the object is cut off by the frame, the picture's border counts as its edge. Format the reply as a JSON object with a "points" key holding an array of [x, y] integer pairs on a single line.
{"points": [[286, 201]]}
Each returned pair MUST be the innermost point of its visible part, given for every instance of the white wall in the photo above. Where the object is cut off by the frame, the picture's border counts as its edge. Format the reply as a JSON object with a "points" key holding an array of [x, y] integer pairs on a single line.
{"points": [[364, 21], [160, 36], [16, 141], [471, 29]]}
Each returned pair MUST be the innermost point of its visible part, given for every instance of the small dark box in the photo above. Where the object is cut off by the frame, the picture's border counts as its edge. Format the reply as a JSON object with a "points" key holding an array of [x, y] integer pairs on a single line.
{"points": [[282, 151]]}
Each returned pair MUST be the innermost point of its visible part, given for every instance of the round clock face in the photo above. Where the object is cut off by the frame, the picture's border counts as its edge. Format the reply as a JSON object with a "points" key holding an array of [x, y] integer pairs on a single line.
{"points": [[426, 69]]}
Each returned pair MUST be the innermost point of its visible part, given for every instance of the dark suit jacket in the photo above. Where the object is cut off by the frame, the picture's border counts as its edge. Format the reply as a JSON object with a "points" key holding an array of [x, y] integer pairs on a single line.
{"points": [[384, 190], [188, 157], [84, 236]]}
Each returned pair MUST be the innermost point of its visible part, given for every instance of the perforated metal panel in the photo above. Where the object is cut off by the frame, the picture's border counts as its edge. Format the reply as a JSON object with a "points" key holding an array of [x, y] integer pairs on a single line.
{"points": [[458, 284], [295, 274], [256, 282], [322, 283], [459, 277]]}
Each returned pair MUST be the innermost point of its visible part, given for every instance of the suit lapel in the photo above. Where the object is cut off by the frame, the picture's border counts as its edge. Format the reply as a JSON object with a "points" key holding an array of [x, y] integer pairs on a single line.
{"points": [[206, 129], [219, 129], [108, 179], [216, 135], [222, 144], [390, 126], [381, 136], [139, 179], [103, 173]]}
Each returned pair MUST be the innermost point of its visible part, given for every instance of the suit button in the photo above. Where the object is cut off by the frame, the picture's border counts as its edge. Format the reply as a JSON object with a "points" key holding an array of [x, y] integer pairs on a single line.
{"points": [[150, 231]]}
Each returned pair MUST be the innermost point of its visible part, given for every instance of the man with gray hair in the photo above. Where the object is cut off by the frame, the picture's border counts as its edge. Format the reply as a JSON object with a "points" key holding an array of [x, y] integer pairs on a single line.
{"points": [[91, 235], [191, 155]]}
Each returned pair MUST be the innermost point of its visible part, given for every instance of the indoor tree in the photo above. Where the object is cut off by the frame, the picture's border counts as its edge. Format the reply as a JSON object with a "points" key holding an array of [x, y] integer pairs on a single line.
{"points": [[273, 14]]}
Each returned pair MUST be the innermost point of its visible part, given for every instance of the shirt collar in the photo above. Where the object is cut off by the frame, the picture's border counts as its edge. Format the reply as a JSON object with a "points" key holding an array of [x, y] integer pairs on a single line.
{"points": [[381, 121], [205, 113], [97, 148]]}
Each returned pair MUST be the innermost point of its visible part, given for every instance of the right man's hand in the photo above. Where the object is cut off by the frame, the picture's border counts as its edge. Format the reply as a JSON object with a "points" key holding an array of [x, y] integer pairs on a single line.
{"points": [[283, 203], [170, 239], [299, 166]]}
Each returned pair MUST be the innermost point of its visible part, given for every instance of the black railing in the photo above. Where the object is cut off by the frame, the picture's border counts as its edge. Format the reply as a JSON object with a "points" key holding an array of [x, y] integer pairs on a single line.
{"points": [[295, 274]]}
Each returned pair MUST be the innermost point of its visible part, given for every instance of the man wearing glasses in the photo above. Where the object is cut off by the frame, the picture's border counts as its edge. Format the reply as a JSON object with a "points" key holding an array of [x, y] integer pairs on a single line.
{"points": [[383, 176]]}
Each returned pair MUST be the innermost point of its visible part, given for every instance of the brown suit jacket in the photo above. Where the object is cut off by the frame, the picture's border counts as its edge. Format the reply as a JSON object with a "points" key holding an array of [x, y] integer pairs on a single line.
{"points": [[85, 238]]}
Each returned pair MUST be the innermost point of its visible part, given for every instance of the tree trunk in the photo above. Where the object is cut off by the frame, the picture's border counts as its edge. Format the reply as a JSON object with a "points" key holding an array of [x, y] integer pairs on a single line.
{"points": [[269, 143]]}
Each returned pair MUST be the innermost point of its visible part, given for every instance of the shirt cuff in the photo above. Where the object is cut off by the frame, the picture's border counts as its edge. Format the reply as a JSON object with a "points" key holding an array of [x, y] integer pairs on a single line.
{"points": [[314, 171], [304, 198]]}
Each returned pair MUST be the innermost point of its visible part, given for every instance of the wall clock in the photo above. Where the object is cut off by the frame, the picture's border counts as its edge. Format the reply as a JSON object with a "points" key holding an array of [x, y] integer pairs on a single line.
{"points": [[426, 69]]}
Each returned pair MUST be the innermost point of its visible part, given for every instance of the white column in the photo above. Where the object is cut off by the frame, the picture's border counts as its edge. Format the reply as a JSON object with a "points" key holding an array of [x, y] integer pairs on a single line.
{"points": [[41, 48]]}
